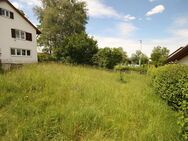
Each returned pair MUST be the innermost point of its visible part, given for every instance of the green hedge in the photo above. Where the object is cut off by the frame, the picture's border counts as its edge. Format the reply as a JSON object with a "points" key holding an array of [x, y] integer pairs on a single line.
{"points": [[183, 118], [171, 83]]}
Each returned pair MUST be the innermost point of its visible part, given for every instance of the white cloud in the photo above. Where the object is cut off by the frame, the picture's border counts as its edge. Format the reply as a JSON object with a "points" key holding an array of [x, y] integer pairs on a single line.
{"points": [[130, 45], [182, 21], [179, 28], [98, 9], [152, 0], [126, 29], [156, 10], [31, 2], [17, 5], [129, 17], [181, 32]]}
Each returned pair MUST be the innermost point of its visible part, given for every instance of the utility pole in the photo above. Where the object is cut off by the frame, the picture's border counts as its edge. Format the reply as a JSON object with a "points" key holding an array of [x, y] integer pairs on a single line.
{"points": [[140, 60]]}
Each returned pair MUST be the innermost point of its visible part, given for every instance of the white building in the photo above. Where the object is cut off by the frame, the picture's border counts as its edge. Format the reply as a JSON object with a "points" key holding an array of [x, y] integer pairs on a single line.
{"points": [[17, 36]]}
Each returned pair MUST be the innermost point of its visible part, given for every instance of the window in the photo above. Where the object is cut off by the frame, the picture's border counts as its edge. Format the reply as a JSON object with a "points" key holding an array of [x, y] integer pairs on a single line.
{"points": [[20, 52], [19, 34], [23, 52], [28, 53], [22, 35], [2, 12], [13, 51], [29, 36], [6, 13]]}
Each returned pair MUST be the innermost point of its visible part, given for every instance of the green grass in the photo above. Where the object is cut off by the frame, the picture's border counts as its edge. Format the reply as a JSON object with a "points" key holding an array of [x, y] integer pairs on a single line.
{"points": [[66, 103]]}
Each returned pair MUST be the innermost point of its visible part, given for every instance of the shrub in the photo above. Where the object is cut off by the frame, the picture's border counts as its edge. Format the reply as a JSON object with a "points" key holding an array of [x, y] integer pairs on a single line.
{"points": [[109, 57], [122, 68], [171, 83], [168, 82], [183, 121], [183, 118], [77, 49], [45, 57]]}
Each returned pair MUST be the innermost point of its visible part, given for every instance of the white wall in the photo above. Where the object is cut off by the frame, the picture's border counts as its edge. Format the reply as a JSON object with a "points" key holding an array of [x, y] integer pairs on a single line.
{"points": [[7, 42], [184, 60]]}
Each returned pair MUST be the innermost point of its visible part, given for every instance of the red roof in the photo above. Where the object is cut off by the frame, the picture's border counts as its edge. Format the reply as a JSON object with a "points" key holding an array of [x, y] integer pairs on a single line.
{"points": [[18, 11], [178, 54]]}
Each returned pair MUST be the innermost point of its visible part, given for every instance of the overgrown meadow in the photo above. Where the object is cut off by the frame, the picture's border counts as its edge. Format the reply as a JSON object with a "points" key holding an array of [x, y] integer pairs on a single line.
{"points": [[54, 102]]}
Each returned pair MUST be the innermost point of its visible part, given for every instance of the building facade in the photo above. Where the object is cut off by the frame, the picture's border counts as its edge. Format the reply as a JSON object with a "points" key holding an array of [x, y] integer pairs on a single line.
{"points": [[17, 36]]}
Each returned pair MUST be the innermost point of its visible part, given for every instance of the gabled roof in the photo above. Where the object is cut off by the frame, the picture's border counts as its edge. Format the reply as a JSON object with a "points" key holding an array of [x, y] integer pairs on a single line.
{"points": [[37, 30], [178, 54]]}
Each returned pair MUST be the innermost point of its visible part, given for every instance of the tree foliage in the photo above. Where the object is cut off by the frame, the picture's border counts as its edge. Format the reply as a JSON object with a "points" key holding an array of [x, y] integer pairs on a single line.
{"points": [[159, 56], [137, 56], [109, 57], [78, 48], [59, 19]]}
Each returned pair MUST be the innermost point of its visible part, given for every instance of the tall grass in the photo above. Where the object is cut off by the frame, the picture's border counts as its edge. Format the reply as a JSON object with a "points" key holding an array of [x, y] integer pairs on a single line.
{"points": [[64, 103]]}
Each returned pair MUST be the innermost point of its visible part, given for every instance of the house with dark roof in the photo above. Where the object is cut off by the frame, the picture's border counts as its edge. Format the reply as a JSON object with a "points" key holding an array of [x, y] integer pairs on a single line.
{"points": [[179, 56], [17, 36]]}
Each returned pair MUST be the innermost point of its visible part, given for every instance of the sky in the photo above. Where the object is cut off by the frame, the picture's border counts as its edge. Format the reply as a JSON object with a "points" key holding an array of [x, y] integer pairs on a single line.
{"points": [[123, 23]]}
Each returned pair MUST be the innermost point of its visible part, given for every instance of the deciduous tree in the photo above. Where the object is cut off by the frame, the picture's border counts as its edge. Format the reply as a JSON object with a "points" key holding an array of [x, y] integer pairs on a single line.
{"points": [[159, 56], [77, 48], [137, 56], [60, 19], [109, 57]]}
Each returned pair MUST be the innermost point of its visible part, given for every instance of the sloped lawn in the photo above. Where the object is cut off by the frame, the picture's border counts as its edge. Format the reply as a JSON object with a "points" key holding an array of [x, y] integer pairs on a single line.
{"points": [[64, 103]]}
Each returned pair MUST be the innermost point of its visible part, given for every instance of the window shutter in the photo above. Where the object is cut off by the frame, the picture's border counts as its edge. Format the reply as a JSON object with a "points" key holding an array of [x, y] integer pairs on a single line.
{"points": [[28, 36], [13, 32], [11, 15]]}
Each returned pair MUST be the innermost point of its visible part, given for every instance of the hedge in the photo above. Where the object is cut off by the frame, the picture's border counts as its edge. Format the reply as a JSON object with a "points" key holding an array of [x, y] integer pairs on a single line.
{"points": [[183, 117], [170, 82]]}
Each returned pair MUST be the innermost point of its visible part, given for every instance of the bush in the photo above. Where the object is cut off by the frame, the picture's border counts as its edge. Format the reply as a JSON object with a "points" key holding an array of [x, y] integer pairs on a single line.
{"points": [[142, 69], [183, 121], [183, 118], [109, 57], [77, 49], [45, 57], [169, 81]]}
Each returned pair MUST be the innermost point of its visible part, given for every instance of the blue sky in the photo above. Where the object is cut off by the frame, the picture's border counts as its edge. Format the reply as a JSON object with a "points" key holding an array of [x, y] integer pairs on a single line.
{"points": [[122, 23]]}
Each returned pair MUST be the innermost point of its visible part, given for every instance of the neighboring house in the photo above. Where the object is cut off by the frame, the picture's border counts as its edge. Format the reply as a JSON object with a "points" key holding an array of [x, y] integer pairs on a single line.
{"points": [[17, 36], [179, 56]]}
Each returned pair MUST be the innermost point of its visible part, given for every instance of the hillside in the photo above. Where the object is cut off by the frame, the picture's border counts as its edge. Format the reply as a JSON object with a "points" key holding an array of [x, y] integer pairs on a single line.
{"points": [[57, 102]]}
